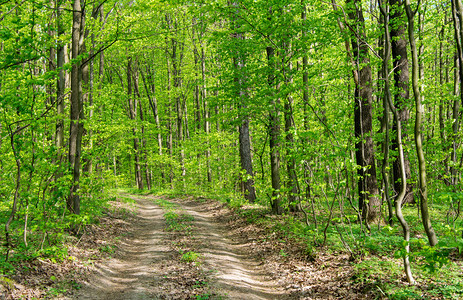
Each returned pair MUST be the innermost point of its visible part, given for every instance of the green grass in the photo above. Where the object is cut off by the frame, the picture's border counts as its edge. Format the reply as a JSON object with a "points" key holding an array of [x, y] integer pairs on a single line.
{"points": [[178, 222], [190, 256]]}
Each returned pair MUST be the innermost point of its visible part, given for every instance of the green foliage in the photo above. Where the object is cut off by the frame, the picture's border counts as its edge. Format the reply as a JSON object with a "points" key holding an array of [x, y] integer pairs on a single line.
{"points": [[203, 297], [178, 222], [190, 257], [376, 271], [62, 287], [165, 42], [108, 249]]}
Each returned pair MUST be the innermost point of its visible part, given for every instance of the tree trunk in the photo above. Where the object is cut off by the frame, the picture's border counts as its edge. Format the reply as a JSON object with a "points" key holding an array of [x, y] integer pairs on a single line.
{"points": [[457, 11], [419, 108], [274, 133], [143, 137], [206, 113], [88, 102], [197, 105], [401, 157], [133, 116], [239, 62], [169, 119], [76, 113], [60, 89], [369, 201], [305, 69], [177, 57], [402, 94], [153, 102], [292, 184]]}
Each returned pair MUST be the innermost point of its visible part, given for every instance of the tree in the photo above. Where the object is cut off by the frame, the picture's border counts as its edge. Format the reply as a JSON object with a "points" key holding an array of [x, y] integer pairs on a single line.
{"points": [[385, 11], [419, 111], [274, 128], [77, 113], [402, 94], [457, 12], [239, 65], [369, 201], [132, 104]]}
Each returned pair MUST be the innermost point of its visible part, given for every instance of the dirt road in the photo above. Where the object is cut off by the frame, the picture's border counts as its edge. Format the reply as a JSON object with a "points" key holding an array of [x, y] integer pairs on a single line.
{"points": [[146, 267]]}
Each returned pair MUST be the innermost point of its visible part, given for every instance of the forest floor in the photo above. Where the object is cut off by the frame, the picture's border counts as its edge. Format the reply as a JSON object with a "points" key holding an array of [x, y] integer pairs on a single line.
{"points": [[216, 254]]}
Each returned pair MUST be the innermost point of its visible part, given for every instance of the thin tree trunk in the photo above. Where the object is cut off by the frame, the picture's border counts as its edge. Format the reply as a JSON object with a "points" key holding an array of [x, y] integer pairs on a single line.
{"points": [[143, 136], [197, 113], [207, 123], [305, 69], [76, 114], [274, 133], [388, 99], [169, 117], [249, 192], [177, 56], [292, 184], [419, 109], [133, 116], [60, 89], [151, 93]]}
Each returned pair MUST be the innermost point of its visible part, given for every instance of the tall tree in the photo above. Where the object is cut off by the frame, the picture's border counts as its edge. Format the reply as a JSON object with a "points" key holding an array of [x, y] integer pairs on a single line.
{"points": [[402, 94], [77, 113], [369, 201], [457, 12], [132, 104], [385, 11], [287, 70], [419, 111], [240, 88], [274, 128], [60, 85]]}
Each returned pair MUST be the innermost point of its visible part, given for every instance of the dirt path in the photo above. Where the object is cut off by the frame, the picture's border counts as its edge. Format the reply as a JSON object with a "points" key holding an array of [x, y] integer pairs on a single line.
{"points": [[134, 271], [142, 267], [236, 276]]}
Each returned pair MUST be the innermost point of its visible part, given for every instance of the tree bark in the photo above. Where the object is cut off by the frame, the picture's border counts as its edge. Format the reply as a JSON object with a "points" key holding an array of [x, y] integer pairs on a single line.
{"points": [[369, 201], [177, 57], [207, 125], [60, 88], [401, 157], [457, 11], [169, 141], [402, 94], [133, 116], [76, 113], [292, 184], [274, 133], [150, 88], [142, 119], [239, 62]]}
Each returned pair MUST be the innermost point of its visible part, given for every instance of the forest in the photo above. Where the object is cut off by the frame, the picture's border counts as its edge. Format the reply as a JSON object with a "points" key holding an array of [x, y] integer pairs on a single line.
{"points": [[335, 123]]}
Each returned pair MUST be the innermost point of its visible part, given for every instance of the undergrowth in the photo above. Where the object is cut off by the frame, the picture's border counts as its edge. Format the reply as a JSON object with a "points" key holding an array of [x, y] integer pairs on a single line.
{"points": [[49, 234]]}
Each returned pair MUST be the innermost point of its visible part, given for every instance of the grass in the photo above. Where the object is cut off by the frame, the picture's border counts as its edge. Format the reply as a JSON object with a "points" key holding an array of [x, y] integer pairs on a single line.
{"points": [[178, 222], [190, 257]]}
